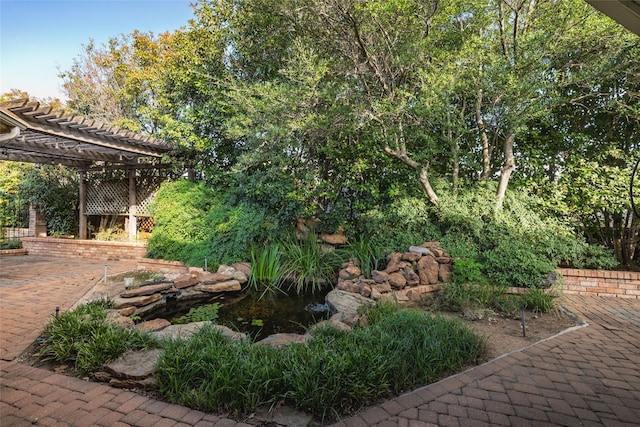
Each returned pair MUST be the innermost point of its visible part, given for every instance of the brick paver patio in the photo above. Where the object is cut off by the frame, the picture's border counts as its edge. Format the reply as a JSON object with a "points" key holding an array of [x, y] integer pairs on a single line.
{"points": [[586, 376]]}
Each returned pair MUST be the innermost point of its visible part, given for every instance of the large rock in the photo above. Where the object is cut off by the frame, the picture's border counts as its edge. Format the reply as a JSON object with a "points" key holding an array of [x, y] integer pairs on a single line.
{"points": [[428, 269], [411, 256], [397, 280], [281, 340], [153, 325], [119, 302], [350, 272], [412, 277], [380, 276], [134, 369], [346, 302], [393, 262], [146, 290], [349, 286], [185, 331], [444, 272], [420, 250], [243, 267], [185, 281], [228, 286]]}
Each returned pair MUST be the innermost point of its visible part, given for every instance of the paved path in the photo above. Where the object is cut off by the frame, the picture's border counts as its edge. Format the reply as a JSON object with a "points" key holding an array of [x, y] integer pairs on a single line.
{"points": [[585, 377]]}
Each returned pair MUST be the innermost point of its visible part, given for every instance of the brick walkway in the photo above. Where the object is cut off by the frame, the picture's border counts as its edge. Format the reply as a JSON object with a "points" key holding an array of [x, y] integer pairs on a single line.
{"points": [[587, 376]]}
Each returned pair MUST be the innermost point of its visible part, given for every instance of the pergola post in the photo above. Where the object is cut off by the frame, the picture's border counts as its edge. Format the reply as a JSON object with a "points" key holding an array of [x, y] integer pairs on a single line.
{"points": [[133, 206], [82, 214]]}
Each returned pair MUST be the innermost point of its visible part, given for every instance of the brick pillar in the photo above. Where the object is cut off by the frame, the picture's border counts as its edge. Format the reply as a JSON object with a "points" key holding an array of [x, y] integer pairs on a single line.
{"points": [[37, 223]]}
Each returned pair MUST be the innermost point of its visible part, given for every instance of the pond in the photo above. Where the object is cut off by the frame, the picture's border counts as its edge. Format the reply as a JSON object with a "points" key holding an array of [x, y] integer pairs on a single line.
{"points": [[257, 314]]}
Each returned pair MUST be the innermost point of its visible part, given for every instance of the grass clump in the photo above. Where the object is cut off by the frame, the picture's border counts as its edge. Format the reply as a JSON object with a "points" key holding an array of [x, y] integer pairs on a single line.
{"points": [[333, 374], [85, 339]]}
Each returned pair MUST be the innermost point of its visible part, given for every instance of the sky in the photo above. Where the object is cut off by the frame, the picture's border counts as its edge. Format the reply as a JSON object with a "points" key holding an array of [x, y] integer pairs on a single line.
{"points": [[40, 38]]}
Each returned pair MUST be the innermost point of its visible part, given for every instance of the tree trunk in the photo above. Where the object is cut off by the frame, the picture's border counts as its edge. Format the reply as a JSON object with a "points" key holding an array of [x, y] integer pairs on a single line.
{"points": [[507, 169], [482, 131], [401, 154]]}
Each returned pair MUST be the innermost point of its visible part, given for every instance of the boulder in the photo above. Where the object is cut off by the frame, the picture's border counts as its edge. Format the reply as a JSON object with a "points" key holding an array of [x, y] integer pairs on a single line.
{"points": [[228, 286], [411, 256], [412, 277], [419, 249], [444, 272], [185, 281], [350, 272], [147, 290], [382, 287], [153, 325], [349, 286], [119, 302], [380, 276], [397, 280], [243, 267], [127, 311], [428, 269], [393, 262], [134, 369], [346, 302], [185, 331], [281, 340]]}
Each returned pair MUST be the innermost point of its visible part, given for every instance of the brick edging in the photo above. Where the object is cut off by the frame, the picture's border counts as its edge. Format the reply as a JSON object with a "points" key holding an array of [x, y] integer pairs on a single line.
{"points": [[621, 284]]}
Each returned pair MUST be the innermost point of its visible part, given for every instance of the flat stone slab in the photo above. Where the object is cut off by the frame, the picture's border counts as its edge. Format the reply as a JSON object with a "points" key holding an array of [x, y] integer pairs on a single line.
{"points": [[279, 340], [146, 290], [346, 302], [228, 286], [119, 302], [134, 365], [185, 331]]}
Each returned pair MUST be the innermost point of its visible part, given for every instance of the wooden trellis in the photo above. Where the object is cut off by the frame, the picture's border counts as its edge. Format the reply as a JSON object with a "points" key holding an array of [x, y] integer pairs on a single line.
{"points": [[112, 197]]}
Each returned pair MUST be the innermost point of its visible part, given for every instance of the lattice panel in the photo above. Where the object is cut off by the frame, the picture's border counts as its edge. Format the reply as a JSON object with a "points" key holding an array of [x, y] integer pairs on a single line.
{"points": [[112, 197], [146, 188], [108, 198]]}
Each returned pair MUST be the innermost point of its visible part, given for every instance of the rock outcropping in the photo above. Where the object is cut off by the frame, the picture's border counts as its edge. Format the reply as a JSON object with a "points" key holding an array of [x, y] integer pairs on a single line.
{"points": [[410, 274]]}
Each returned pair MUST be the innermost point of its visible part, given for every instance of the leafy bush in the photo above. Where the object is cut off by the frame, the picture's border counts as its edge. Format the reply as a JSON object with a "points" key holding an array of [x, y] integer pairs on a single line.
{"points": [[539, 300], [84, 338], [307, 267], [333, 374], [194, 223]]}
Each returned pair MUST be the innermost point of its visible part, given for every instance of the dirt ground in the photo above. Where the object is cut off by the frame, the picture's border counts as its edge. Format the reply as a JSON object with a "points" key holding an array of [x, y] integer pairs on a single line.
{"points": [[504, 333]]}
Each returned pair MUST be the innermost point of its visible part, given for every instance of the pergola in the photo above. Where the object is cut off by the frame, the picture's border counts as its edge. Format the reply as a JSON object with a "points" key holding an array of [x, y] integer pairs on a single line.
{"points": [[33, 133], [625, 12]]}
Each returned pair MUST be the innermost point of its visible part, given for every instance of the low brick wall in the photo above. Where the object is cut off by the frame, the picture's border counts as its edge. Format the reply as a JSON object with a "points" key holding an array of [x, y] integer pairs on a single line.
{"points": [[84, 249], [622, 284]]}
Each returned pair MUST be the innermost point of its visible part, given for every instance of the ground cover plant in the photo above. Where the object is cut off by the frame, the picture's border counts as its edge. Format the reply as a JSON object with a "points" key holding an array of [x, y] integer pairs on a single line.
{"points": [[84, 339], [332, 375]]}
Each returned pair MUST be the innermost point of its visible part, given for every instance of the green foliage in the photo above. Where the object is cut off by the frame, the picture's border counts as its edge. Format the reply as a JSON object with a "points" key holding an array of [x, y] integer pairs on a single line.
{"points": [[194, 223], [54, 191], [462, 297], [368, 253], [307, 267], [85, 339], [539, 300], [395, 227], [208, 312], [332, 375], [467, 271], [267, 267]]}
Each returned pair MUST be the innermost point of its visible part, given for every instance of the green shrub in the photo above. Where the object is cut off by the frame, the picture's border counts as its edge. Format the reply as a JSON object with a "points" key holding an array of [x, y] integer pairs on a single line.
{"points": [[193, 223], [467, 271], [308, 268], [85, 339], [333, 374], [539, 300], [267, 267]]}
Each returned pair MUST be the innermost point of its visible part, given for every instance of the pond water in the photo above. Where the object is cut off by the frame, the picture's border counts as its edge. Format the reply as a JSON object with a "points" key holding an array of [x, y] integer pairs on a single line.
{"points": [[260, 315]]}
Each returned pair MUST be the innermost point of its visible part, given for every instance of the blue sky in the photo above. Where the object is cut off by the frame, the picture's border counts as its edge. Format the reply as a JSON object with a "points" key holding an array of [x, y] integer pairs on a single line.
{"points": [[38, 37]]}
